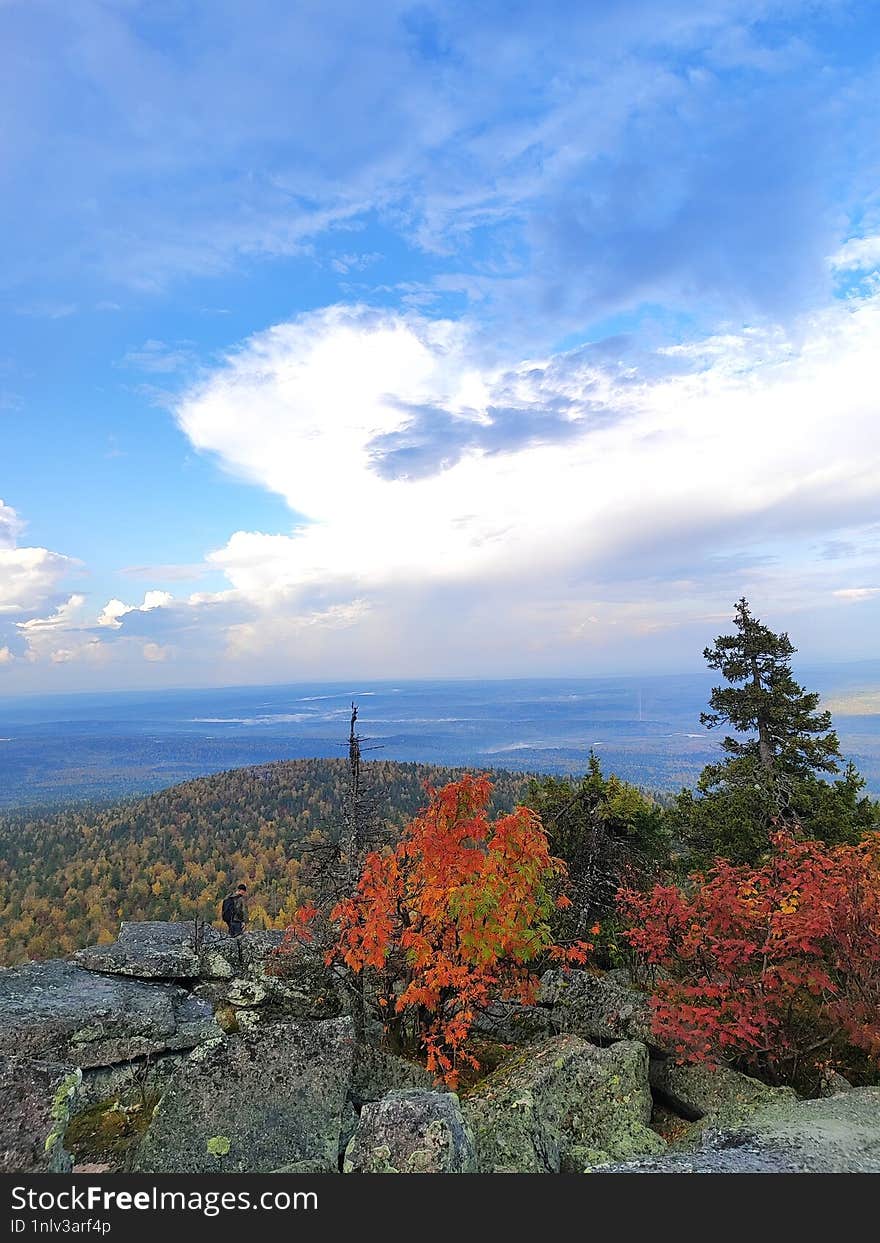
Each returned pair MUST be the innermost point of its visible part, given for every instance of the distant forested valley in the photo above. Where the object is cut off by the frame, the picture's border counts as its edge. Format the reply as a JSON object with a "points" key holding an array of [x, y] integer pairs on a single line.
{"points": [[68, 877]]}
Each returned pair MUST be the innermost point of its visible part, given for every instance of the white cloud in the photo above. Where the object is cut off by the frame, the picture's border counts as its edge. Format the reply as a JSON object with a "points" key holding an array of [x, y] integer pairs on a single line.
{"points": [[30, 579], [114, 610], [64, 617], [160, 357], [62, 637], [156, 652], [11, 526], [859, 254], [767, 433], [449, 516], [857, 593]]}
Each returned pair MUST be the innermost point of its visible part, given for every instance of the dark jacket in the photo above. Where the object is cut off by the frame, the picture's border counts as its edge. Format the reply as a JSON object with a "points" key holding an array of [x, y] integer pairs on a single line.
{"points": [[238, 910]]}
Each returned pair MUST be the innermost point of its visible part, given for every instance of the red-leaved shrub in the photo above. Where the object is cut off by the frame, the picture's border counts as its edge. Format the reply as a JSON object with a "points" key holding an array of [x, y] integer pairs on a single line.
{"points": [[451, 918], [774, 967]]}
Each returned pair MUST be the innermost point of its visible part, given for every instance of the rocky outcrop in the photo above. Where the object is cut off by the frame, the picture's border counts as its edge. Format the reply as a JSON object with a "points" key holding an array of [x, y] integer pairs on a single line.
{"points": [[598, 1007], [184, 1051], [715, 1092], [36, 1100], [248, 973], [376, 1071], [563, 1105], [256, 1102], [411, 1132], [511, 1022], [58, 1011], [152, 951], [832, 1135], [242, 972]]}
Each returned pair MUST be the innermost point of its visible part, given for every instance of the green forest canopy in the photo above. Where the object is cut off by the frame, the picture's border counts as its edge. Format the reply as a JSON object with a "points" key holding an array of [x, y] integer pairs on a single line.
{"points": [[67, 878]]}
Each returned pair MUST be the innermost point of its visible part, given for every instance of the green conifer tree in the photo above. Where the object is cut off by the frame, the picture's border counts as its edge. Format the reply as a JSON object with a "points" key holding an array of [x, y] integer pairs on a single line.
{"points": [[776, 760], [791, 737]]}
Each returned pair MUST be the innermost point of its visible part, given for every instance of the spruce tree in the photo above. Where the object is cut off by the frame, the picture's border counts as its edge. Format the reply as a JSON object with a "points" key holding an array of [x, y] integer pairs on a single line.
{"points": [[776, 759], [791, 737]]}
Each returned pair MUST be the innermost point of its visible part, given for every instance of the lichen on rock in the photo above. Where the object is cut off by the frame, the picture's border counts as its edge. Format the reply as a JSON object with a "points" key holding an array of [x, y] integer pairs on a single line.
{"points": [[411, 1132], [559, 1104]]}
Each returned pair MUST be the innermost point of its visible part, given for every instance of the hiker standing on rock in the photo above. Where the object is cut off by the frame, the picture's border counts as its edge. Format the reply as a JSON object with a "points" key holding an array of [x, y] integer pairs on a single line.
{"points": [[234, 910]]}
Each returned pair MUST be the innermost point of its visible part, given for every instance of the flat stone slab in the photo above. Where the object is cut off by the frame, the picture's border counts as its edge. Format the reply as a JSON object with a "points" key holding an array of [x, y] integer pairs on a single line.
{"points": [[156, 950], [58, 1011], [152, 950], [722, 1095], [832, 1135], [266, 1100], [242, 972], [377, 1071], [511, 1022]]}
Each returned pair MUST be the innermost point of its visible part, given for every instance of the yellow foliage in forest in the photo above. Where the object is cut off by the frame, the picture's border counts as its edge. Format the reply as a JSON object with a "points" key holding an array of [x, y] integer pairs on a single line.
{"points": [[67, 878]]}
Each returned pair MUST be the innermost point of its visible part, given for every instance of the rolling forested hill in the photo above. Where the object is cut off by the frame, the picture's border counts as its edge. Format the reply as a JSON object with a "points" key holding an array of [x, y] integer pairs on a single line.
{"points": [[68, 878]]}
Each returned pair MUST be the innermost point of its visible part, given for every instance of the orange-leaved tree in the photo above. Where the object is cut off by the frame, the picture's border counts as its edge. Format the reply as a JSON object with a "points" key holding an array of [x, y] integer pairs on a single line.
{"points": [[450, 919], [775, 967]]}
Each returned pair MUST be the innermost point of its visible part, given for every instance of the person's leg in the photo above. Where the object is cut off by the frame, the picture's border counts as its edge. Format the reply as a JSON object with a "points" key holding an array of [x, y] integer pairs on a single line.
{"points": [[236, 928]]}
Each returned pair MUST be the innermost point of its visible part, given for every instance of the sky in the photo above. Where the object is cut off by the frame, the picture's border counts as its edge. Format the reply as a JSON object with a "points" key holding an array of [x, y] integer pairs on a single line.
{"points": [[434, 339]]}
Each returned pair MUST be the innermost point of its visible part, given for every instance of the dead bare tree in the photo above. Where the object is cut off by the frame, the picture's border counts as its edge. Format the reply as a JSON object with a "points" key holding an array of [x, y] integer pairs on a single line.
{"points": [[333, 868]]}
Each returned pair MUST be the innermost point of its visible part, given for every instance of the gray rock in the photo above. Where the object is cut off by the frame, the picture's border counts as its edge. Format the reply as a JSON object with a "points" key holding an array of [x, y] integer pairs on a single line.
{"points": [[511, 1022], [128, 1082], [36, 1100], [58, 1011], [833, 1135], [277, 1095], [596, 1006], [225, 957], [563, 1105], [243, 972], [350, 1121], [157, 950], [376, 1071], [411, 1132], [151, 950], [722, 1095], [833, 1082], [247, 973]]}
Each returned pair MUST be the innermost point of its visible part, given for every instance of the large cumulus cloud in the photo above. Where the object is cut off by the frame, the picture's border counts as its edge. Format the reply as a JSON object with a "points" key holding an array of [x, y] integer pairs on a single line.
{"points": [[30, 582], [568, 496]]}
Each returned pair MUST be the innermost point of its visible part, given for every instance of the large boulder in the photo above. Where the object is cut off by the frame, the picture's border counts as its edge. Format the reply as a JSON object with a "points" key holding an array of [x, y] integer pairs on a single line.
{"points": [[224, 958], [831, 1135], [152, 950], [36, 1100], [186, 951], [377, 1071], [259, 1101], [563, 1105], [596, 1006], [716, 1093], [411, 1132], [244, 973], [58, 1011], [249, 972], [511, 1022]]}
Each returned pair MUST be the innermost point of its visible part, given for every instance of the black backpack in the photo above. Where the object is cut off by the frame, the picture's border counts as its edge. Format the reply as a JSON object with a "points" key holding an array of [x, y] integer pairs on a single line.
{"points": [[227, 911]]}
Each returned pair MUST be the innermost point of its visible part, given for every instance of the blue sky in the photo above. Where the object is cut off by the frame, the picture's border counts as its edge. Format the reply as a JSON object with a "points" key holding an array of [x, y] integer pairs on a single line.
{"points": [[434, 338]]}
